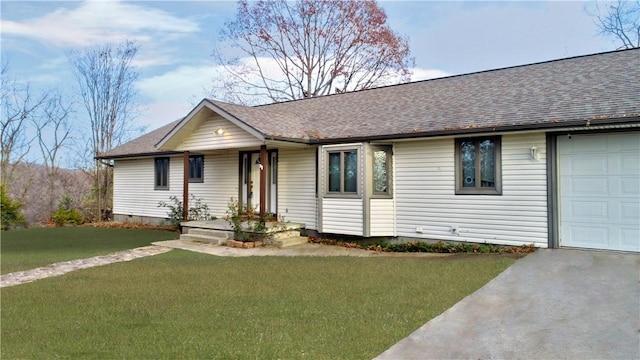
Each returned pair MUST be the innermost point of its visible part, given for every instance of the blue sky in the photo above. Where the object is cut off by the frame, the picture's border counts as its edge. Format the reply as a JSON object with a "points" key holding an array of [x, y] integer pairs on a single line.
{"points": [[176, 38]]}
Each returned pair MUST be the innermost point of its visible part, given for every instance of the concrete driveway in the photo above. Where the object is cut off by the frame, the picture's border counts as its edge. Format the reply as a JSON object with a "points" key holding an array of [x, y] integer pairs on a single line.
{"points": [[553, 304]]}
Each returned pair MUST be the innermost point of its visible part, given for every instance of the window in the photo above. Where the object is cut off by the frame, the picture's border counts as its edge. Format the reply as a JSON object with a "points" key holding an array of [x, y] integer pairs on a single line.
{"points": [[162, 173], [196, 169], [381, 170], [342, 172], [478, 166]]}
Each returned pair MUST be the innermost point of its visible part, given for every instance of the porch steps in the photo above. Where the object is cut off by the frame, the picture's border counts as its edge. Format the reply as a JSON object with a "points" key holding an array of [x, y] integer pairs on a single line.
{"points": [[215, 237], [217, 232], [290, 241]]}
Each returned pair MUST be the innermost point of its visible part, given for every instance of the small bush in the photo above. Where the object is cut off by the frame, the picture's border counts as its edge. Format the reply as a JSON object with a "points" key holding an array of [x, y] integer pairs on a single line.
{"points": [[66, 217], [438, 247], [254, 227], [66, 214], [11, 216], [197, 211]]}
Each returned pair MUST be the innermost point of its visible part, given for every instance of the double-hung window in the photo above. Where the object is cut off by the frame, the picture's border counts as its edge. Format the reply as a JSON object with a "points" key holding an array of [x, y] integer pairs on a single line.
{"points": [[478, 166], [196, 168], [161, 173], [342, 172]]}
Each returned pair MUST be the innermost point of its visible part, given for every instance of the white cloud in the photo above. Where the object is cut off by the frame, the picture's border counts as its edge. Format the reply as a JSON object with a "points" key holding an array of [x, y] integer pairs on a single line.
{"points": [[179, 84], [418, 74], [173, 94], [96, 22]]}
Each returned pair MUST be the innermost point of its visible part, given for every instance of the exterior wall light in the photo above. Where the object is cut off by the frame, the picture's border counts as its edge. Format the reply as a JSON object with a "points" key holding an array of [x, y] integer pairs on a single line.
{"points": [[535, 154], [219, 132]]}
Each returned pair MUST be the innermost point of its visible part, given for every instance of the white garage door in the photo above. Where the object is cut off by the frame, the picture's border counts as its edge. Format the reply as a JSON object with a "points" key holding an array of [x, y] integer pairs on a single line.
{"points": [[599, 188]]}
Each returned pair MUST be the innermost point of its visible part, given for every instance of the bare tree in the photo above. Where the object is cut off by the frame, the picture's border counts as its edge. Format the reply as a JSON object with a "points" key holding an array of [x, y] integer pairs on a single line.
{"points": [[306, 48], [621, 20], [18, 107], [52, 134], [105, 76]]}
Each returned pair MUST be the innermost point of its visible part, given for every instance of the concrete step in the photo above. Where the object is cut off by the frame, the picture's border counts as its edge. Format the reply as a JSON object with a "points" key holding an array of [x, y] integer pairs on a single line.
{"points": [[290, 241], [219, 234], [203, 238], [285, 234]]}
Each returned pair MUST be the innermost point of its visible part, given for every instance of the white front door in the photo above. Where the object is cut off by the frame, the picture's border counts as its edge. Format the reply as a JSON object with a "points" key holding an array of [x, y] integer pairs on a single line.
{"points": [[251, 181], [599, 185]]}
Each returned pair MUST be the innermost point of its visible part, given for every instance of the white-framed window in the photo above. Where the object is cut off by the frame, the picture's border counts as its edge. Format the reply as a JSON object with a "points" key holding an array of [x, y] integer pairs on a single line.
{"points": [[478, 166], [161, 181], [342, 171]]}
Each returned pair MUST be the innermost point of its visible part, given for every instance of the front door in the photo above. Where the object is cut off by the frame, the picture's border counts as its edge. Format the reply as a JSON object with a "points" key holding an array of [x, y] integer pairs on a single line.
{"points": [[250, 180]]}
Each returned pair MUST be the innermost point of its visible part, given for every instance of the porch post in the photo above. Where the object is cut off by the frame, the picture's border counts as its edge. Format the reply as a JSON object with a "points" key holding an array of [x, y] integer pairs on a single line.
{"points": [[185, 186], [263, 180]]}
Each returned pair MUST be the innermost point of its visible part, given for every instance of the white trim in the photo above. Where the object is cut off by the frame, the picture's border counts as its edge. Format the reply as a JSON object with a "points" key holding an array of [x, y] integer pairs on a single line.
{"points": [[216, 109]]}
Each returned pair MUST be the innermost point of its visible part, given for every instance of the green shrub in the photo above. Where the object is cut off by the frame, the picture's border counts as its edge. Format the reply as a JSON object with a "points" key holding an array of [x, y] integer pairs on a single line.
{"points": [[11, 216], [66, 214], [61, 217], [197, 211], [246, 224], [437, 247]]}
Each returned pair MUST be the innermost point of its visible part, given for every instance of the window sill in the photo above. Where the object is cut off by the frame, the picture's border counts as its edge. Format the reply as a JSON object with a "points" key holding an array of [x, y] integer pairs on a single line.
{"points": [[478, 192], [342, 196]]}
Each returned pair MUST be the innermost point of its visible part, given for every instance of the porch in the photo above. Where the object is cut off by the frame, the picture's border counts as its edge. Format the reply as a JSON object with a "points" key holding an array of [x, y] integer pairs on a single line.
{"points": [[217, 232]]}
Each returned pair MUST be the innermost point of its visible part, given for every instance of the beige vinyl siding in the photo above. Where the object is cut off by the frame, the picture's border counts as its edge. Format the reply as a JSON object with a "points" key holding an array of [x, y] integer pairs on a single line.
{"points": [[381, 217], [220, 182], [205, 138], [297, 186], [427, 206], [342, 216], [134, 193], [133, 190]]}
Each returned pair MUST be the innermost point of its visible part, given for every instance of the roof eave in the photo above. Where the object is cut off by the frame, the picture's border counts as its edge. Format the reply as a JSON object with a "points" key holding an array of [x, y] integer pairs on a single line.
{"points": [[586, 124], [138, 155]]}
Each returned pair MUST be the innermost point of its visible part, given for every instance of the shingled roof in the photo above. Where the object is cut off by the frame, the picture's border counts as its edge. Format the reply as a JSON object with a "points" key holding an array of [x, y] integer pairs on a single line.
{"points": [[595, 87], [600, 88], [141, 146]]}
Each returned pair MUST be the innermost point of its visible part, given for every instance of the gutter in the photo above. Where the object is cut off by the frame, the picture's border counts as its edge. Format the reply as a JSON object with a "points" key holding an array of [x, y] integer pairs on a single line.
{"points": [[147, 154], [631, 121], [578, 125]]}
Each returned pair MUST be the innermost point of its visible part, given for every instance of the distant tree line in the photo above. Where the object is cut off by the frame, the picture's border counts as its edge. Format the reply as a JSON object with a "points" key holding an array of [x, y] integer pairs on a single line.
{"points": [[43, 122]]}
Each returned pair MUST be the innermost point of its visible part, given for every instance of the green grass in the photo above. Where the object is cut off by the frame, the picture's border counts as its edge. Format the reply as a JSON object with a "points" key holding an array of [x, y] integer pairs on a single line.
{"points": [[31, 248], [195, 306]]}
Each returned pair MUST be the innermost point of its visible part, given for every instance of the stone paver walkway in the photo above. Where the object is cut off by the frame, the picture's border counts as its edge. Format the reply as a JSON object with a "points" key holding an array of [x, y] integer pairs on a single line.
{"points": [[61, 268], [307, 249], [160, 247]]}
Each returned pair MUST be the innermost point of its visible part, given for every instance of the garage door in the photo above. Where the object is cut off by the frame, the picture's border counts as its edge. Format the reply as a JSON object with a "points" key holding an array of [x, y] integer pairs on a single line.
{"points": [[599, 191]]}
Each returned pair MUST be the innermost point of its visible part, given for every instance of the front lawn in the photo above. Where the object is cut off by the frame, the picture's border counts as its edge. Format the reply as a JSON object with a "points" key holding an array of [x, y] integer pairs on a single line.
{"points": [[183, 305], [31, 248]]}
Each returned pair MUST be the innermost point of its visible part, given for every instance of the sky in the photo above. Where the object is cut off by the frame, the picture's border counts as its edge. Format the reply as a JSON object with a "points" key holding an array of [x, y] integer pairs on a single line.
{"points": [[176, 39]]}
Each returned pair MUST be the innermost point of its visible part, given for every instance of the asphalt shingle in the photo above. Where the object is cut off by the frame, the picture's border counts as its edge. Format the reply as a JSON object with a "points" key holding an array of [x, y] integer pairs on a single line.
{"points": [[596, 88]]}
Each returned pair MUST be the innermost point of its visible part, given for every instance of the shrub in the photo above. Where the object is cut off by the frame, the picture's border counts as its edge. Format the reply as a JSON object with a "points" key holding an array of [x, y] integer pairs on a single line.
{"points": [[63, 216], [197, 211], [11, 216], [66, 214], [437, 247], [255, 226]]}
